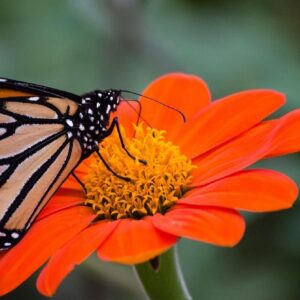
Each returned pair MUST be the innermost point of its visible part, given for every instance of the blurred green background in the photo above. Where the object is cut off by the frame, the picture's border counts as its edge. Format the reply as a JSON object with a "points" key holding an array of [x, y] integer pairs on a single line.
{"points": [[81, 45]]}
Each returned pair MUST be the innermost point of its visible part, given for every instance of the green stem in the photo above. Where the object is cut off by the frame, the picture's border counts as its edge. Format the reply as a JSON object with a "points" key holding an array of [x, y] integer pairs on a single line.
{"points": [[167, 283]]}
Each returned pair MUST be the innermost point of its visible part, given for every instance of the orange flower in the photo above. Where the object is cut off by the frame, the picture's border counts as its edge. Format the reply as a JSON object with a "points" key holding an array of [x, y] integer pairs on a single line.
{"points": [[193, 184]]}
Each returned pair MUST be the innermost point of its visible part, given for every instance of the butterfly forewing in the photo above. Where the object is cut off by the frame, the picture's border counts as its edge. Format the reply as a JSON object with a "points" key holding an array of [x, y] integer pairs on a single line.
{"points": [[44, 135], [36, 156], [12, 93], [26, 138], [31, 110]]}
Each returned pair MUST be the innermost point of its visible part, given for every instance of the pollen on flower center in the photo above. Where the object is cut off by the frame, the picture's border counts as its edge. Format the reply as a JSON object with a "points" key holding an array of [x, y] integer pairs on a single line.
{"points": [[155, 187]]}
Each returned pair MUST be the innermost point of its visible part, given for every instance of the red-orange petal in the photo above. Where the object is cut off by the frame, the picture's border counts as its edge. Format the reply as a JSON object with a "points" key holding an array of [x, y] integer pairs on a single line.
{"points": [[73, 253], [235, 155], [250, 190], [218, 226], [40, 242], [287, 137], [81, 171], [188, 93], [225, 119], [64, 198], [128, 113], [71, 183], [135, 241]]}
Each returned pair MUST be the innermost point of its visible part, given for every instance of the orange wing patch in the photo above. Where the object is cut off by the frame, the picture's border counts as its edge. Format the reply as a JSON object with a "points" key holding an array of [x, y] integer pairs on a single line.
{"points": [[64, 105], [26, 136], [6, 93], [32, 110]]}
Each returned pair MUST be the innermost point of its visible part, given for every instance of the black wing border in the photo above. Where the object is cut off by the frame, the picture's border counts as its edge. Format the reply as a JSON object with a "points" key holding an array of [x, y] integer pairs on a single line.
{"points": [[37, 89]]}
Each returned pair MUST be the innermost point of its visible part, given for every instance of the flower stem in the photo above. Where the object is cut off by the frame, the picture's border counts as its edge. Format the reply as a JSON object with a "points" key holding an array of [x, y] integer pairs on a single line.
{"points": [[167, 282]]}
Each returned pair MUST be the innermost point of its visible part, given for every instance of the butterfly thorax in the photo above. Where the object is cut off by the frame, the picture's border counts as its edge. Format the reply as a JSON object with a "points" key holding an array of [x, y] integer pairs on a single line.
{"points": [[89, 125]]}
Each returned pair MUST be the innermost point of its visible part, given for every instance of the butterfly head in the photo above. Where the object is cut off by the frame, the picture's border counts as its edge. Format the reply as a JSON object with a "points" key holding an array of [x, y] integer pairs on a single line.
{"points": [[104, 102]]}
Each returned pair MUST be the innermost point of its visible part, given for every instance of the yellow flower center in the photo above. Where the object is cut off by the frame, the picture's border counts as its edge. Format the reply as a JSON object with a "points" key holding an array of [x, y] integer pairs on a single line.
{"points": [[154, 187]]}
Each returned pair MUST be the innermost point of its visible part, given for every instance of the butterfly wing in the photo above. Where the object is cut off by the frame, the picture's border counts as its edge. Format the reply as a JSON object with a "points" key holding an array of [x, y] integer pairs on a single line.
{"points": [[36, 153]]}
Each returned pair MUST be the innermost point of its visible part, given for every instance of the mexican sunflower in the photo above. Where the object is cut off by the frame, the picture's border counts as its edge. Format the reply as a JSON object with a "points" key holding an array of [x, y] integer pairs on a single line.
{"points": [[196, 179]]}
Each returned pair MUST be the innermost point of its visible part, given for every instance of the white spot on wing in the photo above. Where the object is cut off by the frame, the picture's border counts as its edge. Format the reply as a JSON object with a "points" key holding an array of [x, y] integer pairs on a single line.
{"points": [[33, 98], [2, 234], [3, 80], [69, 134], [7, 244], [15, 235], [2, 131], [108, 109]]}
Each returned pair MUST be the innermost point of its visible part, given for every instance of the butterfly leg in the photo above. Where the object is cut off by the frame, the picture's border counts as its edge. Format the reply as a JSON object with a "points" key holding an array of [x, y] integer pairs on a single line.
{"points": [[110, 169], [79, 181], [115, 123]]}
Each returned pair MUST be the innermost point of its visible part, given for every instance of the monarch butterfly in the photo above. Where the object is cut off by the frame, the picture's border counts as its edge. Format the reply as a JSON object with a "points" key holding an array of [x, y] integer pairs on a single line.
{"points": [[44, 134]]}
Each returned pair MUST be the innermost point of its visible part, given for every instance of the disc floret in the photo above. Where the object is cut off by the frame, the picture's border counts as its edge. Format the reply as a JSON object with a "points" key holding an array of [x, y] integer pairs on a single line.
{"points": [[154, 188]]}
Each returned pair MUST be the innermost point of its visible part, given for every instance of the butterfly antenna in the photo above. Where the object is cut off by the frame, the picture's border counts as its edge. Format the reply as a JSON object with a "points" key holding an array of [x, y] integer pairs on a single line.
{"points": [[137, 111], [161, 103]]}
